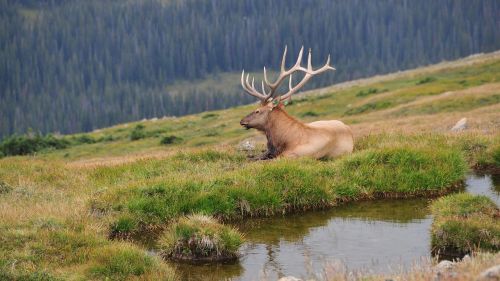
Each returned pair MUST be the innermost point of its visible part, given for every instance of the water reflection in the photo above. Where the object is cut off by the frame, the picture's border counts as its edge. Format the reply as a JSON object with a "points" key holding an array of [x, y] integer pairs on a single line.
{"points": [[487, 185], [376, 236]]}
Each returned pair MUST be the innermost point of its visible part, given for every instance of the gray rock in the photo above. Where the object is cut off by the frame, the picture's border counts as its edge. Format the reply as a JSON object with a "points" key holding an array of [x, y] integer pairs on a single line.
{"points": [[289, 278], [460, 125], [445, 265], [490, 274], [246, 145]]}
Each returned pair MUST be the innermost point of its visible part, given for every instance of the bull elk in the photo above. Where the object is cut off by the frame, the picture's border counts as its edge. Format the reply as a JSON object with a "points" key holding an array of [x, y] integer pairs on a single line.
{"points": [[287, 136]]}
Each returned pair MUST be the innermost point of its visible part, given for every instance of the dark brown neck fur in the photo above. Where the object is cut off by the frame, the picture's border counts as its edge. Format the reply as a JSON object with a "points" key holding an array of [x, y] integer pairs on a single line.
{"points": [[282, 131]]}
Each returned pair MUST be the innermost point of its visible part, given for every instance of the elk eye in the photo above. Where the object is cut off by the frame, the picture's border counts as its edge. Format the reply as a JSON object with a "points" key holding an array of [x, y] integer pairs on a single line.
{"points": [[257, 111]]}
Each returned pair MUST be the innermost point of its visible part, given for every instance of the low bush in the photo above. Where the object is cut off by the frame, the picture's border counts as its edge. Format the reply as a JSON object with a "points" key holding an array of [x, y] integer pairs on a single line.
{"points": [[170, 140], [83, 139], [199, 237], [371, 106], [209, 115], [370, 91], [464, 223], [138, 133], [26, 144], [426, 80], [309, 114]]}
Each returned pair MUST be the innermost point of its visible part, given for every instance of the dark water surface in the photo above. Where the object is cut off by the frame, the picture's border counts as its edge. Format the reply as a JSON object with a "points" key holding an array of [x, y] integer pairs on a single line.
{"points": [[374, 236]]}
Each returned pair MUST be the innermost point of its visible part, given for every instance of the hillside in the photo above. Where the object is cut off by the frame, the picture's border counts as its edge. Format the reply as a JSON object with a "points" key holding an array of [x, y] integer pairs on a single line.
{"points": [[428, 99], [72, 66], [80, 212]]}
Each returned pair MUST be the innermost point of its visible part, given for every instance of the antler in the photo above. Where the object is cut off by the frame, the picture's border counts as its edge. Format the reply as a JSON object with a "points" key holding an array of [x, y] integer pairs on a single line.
{"points": [[309, 72]]}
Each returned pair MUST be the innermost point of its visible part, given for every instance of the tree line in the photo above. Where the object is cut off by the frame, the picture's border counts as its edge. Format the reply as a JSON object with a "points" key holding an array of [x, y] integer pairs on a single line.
{"points": [[74, 65]]}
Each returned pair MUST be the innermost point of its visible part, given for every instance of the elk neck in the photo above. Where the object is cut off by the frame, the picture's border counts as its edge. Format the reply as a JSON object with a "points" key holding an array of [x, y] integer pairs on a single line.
{"points": [[283, 131]]}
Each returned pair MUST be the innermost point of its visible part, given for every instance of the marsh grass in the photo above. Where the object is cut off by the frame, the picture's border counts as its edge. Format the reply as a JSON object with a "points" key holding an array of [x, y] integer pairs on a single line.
{"points": [[465, 223], [200, 238], [216, 188]]}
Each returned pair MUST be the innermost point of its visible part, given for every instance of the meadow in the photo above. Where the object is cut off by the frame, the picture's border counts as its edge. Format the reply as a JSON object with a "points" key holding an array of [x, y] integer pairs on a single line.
{"points": [[76, 212]]}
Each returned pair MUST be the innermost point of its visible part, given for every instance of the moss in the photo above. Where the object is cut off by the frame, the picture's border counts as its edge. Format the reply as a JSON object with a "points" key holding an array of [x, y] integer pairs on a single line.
{"points": [[465, 223], [199, 237]]}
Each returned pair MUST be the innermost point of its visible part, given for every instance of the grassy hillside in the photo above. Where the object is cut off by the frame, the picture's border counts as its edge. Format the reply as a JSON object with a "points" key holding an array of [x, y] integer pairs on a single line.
{"points": [[66, 204]]}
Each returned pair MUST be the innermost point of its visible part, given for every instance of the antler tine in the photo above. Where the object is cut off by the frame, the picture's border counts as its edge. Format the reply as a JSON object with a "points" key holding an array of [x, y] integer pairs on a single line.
{"points": [[284, 73], [250, 89], [309, 73]]}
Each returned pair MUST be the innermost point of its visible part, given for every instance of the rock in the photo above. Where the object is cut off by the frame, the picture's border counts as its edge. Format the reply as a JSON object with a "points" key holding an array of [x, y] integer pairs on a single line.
{"points": [[289, 278], [445, 265], [466, 258], [246, 145], [490, 274], [444, 270], [460, 125]]}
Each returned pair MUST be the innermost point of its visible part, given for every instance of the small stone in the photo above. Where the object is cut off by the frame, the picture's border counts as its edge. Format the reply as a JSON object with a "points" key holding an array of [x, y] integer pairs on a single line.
{"points": [[445, 265], [460, 125], [289, 278], [246, 145], [490, 274], [466, 258]]}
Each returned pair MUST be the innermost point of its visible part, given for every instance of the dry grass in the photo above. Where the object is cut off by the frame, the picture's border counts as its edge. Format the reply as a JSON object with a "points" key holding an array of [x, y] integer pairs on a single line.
{"points": [[467, 270]]}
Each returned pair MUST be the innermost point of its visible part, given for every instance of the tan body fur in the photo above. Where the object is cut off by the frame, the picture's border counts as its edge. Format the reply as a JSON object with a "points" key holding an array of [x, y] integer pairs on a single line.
{"points": [[288, 137]]}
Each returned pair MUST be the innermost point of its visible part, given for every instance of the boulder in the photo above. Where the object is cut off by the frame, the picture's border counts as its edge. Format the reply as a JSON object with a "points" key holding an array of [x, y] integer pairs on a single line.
{"points": [[490, 274]]}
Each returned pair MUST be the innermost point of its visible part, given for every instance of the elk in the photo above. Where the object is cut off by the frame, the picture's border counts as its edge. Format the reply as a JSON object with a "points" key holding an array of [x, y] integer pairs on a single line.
{"points": [[287, 136]]}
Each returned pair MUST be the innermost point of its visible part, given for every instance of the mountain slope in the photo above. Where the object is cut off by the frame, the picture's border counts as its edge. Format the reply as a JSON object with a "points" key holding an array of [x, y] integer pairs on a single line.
{"points": [[71, 66]]}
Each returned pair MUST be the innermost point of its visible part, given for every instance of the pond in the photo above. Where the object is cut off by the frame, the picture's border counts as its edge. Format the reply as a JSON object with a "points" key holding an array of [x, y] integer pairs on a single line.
{"points": [[372, 236]]}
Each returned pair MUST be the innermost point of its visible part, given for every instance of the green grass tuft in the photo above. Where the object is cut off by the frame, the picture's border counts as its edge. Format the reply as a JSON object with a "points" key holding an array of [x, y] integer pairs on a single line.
{"points": [[261, 189], [465, 223], [199, 237], [120, 262]]}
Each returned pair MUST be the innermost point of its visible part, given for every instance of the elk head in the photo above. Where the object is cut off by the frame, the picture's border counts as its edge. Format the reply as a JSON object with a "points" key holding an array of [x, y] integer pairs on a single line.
{"points": [[269, 100]]}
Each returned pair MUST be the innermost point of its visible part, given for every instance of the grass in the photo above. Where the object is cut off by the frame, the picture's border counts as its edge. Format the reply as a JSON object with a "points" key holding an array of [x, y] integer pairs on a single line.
{"points": [[465, 223], [199, 237], [253, 189], [59, 207]]}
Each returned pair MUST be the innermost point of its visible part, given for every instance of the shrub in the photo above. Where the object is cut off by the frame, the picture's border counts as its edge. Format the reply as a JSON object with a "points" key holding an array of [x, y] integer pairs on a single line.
{"points": [[209, 115], [23, 145], [138, 133], [371, 106], [199, 237], [170, 140], [370, 91], [425, 80], [83, 139], [310, 114]]}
